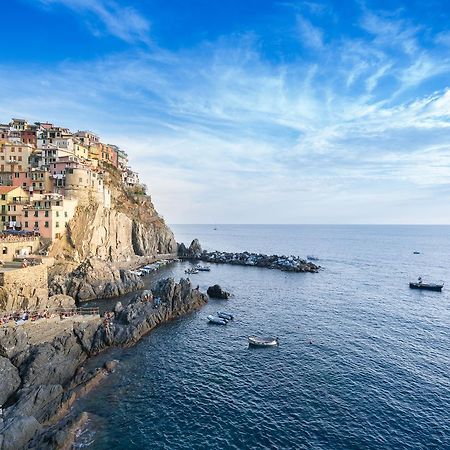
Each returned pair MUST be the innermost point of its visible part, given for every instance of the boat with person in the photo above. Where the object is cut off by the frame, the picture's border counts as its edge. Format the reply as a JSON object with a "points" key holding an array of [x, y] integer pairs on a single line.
{"points": [[257, 341], [426, 286], [201, 268], [217, 320]]}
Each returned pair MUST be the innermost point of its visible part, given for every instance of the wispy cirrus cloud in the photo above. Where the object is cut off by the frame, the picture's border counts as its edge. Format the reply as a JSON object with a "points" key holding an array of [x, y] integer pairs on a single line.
{"points": [[108, 16]]}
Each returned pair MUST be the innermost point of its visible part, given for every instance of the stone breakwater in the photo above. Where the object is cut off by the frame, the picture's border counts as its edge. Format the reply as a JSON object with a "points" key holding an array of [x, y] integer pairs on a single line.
{"points": [[285, 263], [40, 381]]}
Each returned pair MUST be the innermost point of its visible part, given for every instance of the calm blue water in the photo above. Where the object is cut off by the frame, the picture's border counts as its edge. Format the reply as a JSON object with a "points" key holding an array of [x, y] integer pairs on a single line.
{"points": [[376, 376]]}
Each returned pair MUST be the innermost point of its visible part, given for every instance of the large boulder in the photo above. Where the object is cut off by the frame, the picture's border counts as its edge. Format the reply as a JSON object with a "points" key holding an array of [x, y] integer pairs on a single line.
{"points": [[217, 292], [9, 379]]}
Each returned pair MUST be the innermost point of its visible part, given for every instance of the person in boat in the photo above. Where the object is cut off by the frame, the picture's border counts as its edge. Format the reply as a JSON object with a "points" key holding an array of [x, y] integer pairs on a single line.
{"points": [[419, 280]]}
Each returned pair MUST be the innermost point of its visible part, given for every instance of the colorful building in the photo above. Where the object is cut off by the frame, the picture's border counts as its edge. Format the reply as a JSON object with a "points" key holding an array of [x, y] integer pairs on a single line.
{"points": [[12, 201], [15, 157], [49, 215]]}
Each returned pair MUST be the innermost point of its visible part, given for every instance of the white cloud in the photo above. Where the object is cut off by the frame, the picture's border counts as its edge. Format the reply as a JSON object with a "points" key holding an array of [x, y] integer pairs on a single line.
{"points": [[310, 35], [123, 22]]}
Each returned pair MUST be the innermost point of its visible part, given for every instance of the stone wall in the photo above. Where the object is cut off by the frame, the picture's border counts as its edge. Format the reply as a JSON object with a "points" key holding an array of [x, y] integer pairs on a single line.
{"points": [[10, 248], [23, 289]]}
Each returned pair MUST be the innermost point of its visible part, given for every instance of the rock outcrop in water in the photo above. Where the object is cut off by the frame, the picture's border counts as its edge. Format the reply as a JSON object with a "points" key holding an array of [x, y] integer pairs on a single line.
{"points": [[41, 380], [285, 263], [217, 292]]}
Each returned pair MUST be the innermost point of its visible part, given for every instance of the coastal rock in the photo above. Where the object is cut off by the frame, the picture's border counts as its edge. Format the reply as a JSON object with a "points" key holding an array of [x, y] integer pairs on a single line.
{"points": [[94, 278], [53, 362], [17, 431], [217, 292], [9, 379], [193, 252], [13, 343], [195, 249], [41, 402]]}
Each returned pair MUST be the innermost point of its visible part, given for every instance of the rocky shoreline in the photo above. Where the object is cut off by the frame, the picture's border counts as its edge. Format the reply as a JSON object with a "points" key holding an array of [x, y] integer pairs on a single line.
{"points": [[41, 381], [284, 263]]}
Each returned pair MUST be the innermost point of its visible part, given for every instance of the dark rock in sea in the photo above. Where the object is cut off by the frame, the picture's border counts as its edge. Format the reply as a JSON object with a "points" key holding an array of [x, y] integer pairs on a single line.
{"points": [[193, 252], [217, 292]]}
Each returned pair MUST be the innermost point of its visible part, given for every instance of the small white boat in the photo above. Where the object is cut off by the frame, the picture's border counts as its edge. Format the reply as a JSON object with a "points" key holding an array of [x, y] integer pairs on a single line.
{"points": [[203, 268], [217, 320], [191, 271], [225, 315], [312, 258], [257, 341]]}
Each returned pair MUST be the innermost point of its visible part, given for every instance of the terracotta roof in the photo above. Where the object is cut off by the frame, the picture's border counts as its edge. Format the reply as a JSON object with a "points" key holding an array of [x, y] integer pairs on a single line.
{"points": [[6, 189]]}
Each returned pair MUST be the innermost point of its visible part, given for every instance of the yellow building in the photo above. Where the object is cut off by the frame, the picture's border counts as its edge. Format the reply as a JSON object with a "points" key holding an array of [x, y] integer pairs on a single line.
{"points": [[81, 150], [12, 201], [15, 157]]}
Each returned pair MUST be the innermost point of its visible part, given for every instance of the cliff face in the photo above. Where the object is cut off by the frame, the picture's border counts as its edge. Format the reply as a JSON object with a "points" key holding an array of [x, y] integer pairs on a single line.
{"points": [[130, 227]]}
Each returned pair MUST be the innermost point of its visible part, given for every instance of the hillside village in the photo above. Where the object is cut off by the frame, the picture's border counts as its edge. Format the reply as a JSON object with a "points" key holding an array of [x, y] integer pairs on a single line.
{"points": [[46, 170]]}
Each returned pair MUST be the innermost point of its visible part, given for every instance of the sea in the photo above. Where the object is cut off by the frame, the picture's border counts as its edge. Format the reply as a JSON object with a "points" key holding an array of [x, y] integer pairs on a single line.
{"points": [[363, 361]]}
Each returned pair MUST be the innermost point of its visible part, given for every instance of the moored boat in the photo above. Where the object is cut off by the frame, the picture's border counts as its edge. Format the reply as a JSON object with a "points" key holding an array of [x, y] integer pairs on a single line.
{"points": [[201, 268], [217, 320], [427, 286], [312, 258], [257, 341], [225, 315]]}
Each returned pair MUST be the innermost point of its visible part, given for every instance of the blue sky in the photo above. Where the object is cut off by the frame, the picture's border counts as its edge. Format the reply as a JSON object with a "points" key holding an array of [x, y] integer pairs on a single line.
{"points": [[252, 111]]}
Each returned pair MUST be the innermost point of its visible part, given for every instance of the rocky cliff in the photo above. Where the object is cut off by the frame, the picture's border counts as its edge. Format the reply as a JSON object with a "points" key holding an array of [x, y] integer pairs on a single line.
{"points": [[104, 238], [130, 227]]}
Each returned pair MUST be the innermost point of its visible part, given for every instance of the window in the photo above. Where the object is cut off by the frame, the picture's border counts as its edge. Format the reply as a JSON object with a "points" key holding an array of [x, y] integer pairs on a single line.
{"points": [[36, 225], [57, 213], [5, 250], [17, 175], [36, 214], [3, 196], [65, 214], [3, 219], [46, 213], [26, 224], [57, 225], [46, 225]]}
